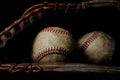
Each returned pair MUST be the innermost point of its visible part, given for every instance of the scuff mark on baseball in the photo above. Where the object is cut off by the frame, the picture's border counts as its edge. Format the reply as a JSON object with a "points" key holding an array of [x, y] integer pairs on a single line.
{"points": [[97, 46], [52, 44]]}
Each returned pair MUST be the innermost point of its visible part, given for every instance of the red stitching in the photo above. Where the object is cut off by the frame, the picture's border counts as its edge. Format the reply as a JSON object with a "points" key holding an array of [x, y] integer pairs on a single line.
{"points": [[55, 30], [89, 40], [51, 50]]}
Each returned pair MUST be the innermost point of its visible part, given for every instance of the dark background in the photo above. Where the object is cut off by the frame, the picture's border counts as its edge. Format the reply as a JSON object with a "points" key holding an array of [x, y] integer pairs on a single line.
{"points": [[18, 49]]}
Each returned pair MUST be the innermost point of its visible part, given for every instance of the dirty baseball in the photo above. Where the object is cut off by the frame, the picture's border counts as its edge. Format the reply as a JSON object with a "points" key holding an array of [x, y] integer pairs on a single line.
{"points": [[52, 44], [97, 46]]}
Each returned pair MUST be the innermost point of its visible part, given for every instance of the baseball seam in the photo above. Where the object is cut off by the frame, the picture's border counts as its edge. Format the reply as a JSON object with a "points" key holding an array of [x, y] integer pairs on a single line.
{"points": [[89, 40], [56, 31], [51, 50]]}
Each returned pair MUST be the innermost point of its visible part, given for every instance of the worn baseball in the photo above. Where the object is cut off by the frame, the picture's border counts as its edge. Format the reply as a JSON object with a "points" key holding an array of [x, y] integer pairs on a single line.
{"points": [[97, 46], [52, 44]]}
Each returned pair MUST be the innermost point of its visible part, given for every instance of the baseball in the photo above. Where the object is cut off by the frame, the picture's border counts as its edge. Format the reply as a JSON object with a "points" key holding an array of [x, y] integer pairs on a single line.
{"points": [[52, 44], [97, 46]]}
